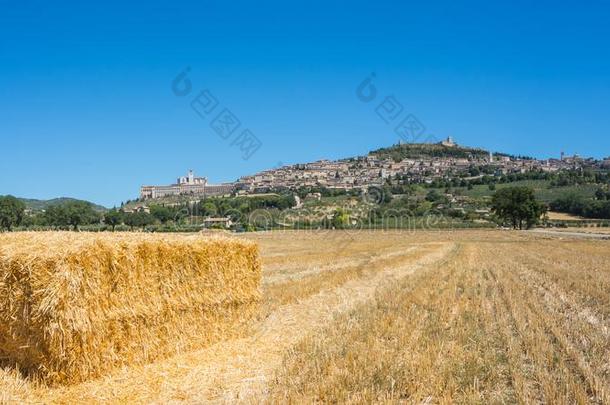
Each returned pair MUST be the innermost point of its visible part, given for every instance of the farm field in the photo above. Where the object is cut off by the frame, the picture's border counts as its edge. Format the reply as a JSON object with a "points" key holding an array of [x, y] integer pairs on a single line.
{"points": [[562, 216], [584, 229], [436, 317]]}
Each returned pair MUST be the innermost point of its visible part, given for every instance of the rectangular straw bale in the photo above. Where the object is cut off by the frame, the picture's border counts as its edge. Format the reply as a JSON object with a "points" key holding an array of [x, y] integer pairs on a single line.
{"points": [[74, 306]]}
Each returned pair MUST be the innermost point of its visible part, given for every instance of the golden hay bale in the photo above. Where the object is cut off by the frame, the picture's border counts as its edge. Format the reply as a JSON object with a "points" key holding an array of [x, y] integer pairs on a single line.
{"points": [[73, 306]]}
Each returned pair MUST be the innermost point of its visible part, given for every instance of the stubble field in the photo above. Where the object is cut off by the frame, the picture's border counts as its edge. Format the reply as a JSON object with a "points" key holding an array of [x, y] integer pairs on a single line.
{"points": [[409, 317]]}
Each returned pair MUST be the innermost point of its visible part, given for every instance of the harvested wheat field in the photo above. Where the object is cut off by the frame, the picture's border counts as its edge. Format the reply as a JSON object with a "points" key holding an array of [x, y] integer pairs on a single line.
{"points": [[407, 317], [585, 229]]}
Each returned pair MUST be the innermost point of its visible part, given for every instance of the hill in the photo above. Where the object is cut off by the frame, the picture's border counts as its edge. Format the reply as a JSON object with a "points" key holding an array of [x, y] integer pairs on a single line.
{"points": [[41, 205], [426, 150]]}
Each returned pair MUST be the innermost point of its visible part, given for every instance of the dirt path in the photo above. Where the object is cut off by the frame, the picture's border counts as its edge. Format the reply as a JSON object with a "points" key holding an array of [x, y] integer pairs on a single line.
{"points": [[239, 369], [571, 234]]}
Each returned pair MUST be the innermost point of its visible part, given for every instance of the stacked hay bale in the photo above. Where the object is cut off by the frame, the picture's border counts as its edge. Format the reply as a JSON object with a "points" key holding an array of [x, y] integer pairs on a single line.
{"points": [[73, 306]]}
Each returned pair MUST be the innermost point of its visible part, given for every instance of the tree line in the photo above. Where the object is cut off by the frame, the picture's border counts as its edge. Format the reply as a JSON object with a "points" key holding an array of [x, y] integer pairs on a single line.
{"points": [[66, 215], [70, 215], [575, 204], [514, 206]]}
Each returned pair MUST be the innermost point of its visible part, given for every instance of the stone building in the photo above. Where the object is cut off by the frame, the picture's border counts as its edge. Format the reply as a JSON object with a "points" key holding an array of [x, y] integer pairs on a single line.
{"points": [[187, 185]]}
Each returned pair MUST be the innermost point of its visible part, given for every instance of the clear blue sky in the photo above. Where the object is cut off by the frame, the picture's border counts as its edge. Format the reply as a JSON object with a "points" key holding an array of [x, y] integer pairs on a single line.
{"points": [[87, 108]]}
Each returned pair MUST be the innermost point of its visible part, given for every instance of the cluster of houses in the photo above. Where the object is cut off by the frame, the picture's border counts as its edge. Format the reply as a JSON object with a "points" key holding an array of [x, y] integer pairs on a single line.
{"points": [[371, 170], [364, 172]]}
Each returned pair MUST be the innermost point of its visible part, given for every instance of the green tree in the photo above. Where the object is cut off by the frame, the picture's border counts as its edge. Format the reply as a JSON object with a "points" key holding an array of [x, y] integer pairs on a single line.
{"points": [[161, 213], [341, 218], [80, 213], [12, 212], [433, 196], [145, 219], [600, 194], [517, 206], [138, 219], [71, 213], [33, 220], [422, 208], [386, 194], [130, 220], [209, 209], [474, 171], [56, 215], [113, 218]]}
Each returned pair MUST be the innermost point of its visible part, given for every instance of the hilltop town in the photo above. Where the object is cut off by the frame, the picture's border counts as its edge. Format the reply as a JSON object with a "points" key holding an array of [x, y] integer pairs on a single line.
{"points": [[406, 163]]}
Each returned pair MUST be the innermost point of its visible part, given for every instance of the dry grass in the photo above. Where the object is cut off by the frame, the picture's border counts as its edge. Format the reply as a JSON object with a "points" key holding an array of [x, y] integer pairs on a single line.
{"points": [[585, 229], [562, 216], [75, 306], [434, 317], [496, 323]]}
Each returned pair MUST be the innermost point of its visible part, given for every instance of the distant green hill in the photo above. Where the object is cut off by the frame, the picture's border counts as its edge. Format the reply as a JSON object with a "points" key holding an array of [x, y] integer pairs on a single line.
{"points": [[427, 150], [40, 205]]}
